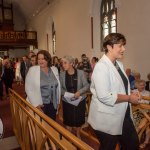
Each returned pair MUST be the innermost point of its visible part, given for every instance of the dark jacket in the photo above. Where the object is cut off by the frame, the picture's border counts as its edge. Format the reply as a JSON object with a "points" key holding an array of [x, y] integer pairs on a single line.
{"points": [[147, 87]]}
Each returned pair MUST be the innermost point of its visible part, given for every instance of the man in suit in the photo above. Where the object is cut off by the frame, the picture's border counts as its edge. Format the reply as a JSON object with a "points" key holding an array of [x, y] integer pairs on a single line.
{"points": [[25, 65], [147, 87]]}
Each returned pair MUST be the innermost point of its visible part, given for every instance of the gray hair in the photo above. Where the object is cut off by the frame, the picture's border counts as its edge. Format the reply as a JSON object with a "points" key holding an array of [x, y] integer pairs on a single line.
{"points": [[70, 59]]}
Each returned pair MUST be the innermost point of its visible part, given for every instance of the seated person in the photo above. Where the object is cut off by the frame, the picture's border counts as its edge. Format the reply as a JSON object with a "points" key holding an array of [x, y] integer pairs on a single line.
{"points": [[139, 119]]}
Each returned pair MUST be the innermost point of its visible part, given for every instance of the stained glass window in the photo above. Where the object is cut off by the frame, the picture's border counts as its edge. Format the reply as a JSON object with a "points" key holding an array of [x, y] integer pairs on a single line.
{"points": [[108, 18]]}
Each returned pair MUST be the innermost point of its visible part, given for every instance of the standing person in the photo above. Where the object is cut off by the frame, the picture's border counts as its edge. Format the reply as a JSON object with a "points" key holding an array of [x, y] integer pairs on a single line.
{"points": [[43, 90], [25, 64], [85, 66], [31, 53], [2, 64], [33, 60], [74, 81], [17, 72], [8, 76], [1, 82], [93, 62], [76, 63], [110, 110], [56, 63]]}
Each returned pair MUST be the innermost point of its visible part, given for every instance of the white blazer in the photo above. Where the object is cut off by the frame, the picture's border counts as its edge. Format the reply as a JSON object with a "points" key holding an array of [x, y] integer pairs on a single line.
{"points": [[104, 114], [32, 85]]}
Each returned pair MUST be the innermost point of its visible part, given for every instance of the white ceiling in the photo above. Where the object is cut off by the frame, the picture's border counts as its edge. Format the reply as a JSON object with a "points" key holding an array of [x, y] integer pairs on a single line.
{"points": [[29, 8]]}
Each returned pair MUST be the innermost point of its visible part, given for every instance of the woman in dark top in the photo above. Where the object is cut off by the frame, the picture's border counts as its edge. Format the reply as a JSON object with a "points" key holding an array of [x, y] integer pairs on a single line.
{"points": [[73, 81], [8, 76], [109, 112]]}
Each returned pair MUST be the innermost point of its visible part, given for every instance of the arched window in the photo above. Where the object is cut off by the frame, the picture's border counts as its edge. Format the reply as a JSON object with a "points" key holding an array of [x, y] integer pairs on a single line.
{"points": [[53, 38], [108, 18]]}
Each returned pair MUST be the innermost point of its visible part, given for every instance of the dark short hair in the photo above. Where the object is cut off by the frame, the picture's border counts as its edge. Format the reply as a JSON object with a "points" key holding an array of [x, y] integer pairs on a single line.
{"points": [[95, 58], [47, 57], [55, 57], [148, 76], [113, 38], [83, 55], [33, 56]]}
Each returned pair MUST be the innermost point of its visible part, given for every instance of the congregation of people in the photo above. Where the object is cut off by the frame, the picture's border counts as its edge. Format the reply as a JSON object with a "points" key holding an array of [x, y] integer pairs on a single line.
{"points": [[47, 79]]}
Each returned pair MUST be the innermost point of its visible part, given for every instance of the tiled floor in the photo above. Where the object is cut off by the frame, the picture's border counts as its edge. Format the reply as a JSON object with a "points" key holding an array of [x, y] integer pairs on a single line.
{"points": [[9, 143]]}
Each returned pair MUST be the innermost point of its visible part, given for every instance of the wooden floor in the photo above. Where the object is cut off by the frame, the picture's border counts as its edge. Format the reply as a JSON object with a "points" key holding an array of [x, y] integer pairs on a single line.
{"points": [[5, 114]]}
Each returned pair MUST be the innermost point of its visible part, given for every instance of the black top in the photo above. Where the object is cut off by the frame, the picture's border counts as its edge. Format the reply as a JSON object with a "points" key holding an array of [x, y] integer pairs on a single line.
{"points": [[147, 87], [73, 116], [71, 82], [125, 82]]}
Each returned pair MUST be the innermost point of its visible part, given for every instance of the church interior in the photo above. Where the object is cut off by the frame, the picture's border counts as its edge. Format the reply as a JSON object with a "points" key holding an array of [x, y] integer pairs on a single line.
{"points": [[68, 30]]}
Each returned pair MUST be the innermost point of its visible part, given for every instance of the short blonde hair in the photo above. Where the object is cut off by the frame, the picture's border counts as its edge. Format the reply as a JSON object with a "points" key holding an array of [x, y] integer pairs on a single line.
{"points": [[137, 75], [139, 81], [70, 59]]}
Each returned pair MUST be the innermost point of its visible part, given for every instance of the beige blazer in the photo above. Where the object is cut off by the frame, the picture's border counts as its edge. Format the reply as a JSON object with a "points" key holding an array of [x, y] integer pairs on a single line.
{"points": [[106, 84]]}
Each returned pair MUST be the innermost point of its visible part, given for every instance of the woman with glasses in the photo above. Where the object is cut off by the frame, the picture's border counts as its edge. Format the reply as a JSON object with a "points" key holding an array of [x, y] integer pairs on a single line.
{"points": [[74, 81]]}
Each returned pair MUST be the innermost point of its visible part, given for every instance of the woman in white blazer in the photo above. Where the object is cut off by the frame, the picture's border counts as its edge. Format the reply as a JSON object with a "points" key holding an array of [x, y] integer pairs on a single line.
{"points": [[109, 113], [42, 85]]}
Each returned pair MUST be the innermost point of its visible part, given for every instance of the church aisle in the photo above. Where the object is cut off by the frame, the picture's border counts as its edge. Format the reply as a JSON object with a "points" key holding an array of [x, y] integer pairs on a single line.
{"points": [[5, 114]]}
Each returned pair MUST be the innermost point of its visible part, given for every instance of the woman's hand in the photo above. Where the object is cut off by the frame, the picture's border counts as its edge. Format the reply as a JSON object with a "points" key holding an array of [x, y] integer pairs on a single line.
{"points": [[40, 107], [135, 98], [77, 94]]}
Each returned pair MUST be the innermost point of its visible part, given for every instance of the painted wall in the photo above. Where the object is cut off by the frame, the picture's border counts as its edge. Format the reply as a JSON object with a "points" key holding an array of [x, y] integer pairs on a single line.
{"points": [[73, 29], [133, 21], [72, 24]]}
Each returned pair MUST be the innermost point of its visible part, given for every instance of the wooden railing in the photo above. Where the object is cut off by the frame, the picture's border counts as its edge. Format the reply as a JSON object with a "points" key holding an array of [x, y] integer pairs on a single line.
{"points": [[35, 131], [144, 109]]}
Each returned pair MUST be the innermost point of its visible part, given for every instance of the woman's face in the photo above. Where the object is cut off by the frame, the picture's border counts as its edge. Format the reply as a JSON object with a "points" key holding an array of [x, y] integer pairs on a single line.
{"points": [[117, 51], [141, 86], [93, 61], [33, 61], [66, 64], [41, 61], [56, 60]]}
